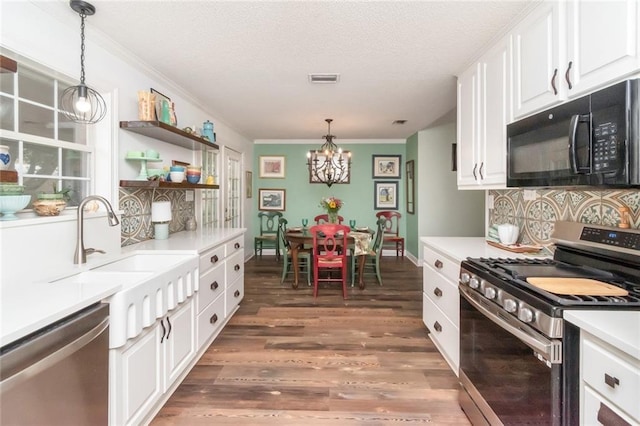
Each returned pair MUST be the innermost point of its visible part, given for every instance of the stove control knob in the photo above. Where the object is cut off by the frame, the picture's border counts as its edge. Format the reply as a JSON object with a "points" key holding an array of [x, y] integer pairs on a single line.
{"points": [[474, 282], [465, 277], [489, 292], [510, 305], [525, 315]]}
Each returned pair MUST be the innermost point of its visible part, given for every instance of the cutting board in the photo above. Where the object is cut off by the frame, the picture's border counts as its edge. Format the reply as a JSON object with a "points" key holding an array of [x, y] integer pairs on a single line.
{"points": [[515, 248], [576, 286]]}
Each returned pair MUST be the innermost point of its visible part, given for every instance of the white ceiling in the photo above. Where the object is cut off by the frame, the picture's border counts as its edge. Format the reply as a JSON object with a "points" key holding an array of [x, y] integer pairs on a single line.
{"points": [[248, 62]]}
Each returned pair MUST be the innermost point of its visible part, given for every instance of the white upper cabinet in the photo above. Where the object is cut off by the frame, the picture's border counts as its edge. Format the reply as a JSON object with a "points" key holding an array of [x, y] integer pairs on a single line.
{"points": [[565, 49], [603, 43], [484, 109], [537, 58]]}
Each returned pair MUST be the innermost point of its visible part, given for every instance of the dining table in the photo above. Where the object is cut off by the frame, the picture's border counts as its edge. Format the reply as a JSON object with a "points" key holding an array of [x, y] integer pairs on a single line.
{"points": [[359, 240]]}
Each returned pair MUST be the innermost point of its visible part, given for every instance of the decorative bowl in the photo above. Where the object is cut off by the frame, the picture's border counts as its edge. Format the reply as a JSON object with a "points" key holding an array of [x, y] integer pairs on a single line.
{"points": [[176, 177], [9, 204], [176, 169], [50, 207], [11, 189], [193, 178]]}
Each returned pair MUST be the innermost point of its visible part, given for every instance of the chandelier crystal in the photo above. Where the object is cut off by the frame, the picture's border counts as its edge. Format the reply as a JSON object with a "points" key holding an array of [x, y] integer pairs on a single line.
{"points": [[329, 164]]}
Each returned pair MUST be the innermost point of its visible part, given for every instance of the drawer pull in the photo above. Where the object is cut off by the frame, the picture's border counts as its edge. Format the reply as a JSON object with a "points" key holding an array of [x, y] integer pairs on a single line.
{"points": [[214, 319], [438, 264], [236, 268], [236, 293], [214, 258], [164, 331], [169, 324], [611, 381], [236, 246], [437, 327], [437, 292], [214, 285], [607, 416]]}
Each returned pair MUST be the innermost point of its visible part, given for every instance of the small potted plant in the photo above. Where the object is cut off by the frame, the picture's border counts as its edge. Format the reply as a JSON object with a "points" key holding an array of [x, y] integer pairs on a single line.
{"points": [[51, 204]]}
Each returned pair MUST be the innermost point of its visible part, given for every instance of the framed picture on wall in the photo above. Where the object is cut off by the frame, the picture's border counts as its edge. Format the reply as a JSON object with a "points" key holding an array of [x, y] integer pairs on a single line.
{"points": [[385, 195], [272, 166], [248, 180], [271, 199], [386, 166]]}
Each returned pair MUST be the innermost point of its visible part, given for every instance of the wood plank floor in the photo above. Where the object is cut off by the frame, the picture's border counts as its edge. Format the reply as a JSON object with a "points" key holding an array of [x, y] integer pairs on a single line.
{"points": [[286, 358]]}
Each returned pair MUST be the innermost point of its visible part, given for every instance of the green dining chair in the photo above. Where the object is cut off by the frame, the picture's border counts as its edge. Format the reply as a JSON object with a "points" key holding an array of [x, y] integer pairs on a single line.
{"points": [[304, 255], [372, 260], [268, 237]]}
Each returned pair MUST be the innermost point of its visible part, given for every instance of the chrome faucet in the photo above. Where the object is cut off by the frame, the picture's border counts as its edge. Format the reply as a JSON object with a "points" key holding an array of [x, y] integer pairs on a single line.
{"points": [[81, 253]]}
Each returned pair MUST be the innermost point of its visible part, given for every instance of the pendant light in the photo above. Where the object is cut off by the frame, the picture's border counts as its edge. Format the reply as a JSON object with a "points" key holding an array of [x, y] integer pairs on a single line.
{"points": [[81, 103], [329, 164]]}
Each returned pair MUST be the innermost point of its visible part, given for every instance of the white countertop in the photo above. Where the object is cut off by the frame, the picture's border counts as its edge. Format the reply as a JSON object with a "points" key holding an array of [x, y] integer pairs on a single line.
{"points": [[459, 248], [620, 329], [32, 306]]}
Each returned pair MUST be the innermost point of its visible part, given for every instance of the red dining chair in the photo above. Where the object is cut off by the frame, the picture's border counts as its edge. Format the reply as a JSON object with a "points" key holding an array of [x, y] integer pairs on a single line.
{"points": [[329, 254], [324, 218], [392, 231]]}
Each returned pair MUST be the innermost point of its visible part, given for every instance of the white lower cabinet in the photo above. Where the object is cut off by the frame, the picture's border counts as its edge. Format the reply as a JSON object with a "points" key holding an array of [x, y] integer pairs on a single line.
{"points": [[145, 367], [441, 304]]}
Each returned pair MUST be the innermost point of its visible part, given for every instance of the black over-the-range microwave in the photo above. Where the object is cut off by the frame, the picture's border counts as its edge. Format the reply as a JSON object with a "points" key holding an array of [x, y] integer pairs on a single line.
{"points": [[590, 141]]}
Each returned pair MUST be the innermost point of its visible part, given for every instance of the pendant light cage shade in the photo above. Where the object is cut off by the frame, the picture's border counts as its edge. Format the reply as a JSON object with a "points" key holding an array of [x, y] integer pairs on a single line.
{"points": [[329, 164], [81, 103]]}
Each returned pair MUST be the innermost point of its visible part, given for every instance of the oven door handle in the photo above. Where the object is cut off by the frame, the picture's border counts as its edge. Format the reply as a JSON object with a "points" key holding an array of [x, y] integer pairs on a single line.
{"points": [[540, 345]]}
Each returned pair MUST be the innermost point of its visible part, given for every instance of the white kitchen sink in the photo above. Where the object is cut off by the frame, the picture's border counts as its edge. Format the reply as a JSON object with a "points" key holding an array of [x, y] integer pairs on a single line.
{"points": [[107, 277], [144, 263]]}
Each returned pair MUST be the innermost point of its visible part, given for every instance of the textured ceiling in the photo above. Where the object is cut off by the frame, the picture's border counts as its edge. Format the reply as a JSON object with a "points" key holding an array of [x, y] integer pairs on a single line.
{"points": [[248, 62]]}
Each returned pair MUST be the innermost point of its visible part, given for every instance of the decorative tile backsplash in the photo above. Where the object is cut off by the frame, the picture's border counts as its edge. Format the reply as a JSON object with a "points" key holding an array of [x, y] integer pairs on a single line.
{"points": [[136, 217], [536, 217]]}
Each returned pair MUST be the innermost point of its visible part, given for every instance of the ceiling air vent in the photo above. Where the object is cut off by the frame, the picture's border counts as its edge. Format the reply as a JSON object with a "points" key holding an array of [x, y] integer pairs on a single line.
{"points": [[399, 122], [324, 78]]}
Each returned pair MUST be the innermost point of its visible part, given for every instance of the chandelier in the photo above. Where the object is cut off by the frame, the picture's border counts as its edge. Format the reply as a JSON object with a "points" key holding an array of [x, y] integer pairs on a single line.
{"points": [[329, 164], [81, 103]]}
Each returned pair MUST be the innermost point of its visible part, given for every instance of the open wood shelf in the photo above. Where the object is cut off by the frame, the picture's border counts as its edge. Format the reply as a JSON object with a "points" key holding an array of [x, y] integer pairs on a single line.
{"points": [[150, 184], [164, 132]]}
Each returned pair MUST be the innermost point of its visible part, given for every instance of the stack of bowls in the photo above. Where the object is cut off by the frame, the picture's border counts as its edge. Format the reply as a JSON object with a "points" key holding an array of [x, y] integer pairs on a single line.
{"points": [[193, 174], [176, 173]]}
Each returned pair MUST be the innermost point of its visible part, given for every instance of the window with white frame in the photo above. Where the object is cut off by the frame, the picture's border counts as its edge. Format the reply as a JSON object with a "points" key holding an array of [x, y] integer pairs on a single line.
{"points": [[49, 152]]}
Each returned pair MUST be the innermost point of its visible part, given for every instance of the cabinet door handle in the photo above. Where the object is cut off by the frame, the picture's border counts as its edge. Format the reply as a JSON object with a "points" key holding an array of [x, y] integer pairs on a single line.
{"points": [[438, 264], [437, 292], [168, 332], [611, 381], [214, 285], [553, 81], [236, 245], [164, 331], [480, 171], [437, 326], [236, 293], [567, 75], [607, 416], [475, 166], [213, 319], [236, 268], [214, 258]]}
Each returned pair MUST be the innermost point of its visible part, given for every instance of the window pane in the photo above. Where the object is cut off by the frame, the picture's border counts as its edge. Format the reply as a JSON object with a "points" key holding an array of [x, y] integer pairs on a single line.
{"points": [[6, 112], [35, 86], [75, 163], [6, 82], [78, 190], [71, 132], [34, 186], [35, 120], [40, 160]]}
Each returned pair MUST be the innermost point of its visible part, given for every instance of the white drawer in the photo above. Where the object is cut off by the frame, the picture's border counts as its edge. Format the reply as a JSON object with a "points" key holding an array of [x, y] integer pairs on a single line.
{"points": [[211, 286], [441, 264], [593, 403], [211, 258], [600, 365], [442, 293], [234, 295], [234, 267], [234, 245], [210, 320], [443, 332]]}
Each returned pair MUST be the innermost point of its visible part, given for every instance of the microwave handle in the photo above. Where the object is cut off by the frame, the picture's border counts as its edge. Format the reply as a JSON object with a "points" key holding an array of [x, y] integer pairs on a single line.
{"points": [[573, 127]]}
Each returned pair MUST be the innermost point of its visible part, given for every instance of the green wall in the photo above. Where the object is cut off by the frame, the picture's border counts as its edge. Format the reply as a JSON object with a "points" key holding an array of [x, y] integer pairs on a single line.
{"points": [[303, 198]]}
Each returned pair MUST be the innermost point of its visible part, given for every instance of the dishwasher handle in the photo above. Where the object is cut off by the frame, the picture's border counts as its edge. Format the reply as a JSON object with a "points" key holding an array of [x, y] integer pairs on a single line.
{"points": [[55, 357]]}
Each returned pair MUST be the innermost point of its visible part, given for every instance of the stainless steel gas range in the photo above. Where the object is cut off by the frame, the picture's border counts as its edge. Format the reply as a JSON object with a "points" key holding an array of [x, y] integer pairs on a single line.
{"points": [[519, 360]]}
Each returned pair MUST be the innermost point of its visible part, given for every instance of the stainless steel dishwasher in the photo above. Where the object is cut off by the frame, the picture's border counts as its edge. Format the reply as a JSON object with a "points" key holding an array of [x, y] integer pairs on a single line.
{"points": [[58, 375]]}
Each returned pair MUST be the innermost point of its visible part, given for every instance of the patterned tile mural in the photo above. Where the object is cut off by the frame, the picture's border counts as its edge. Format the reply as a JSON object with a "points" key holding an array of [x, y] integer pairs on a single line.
{"points": [[136, 217], [536, 218]]}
